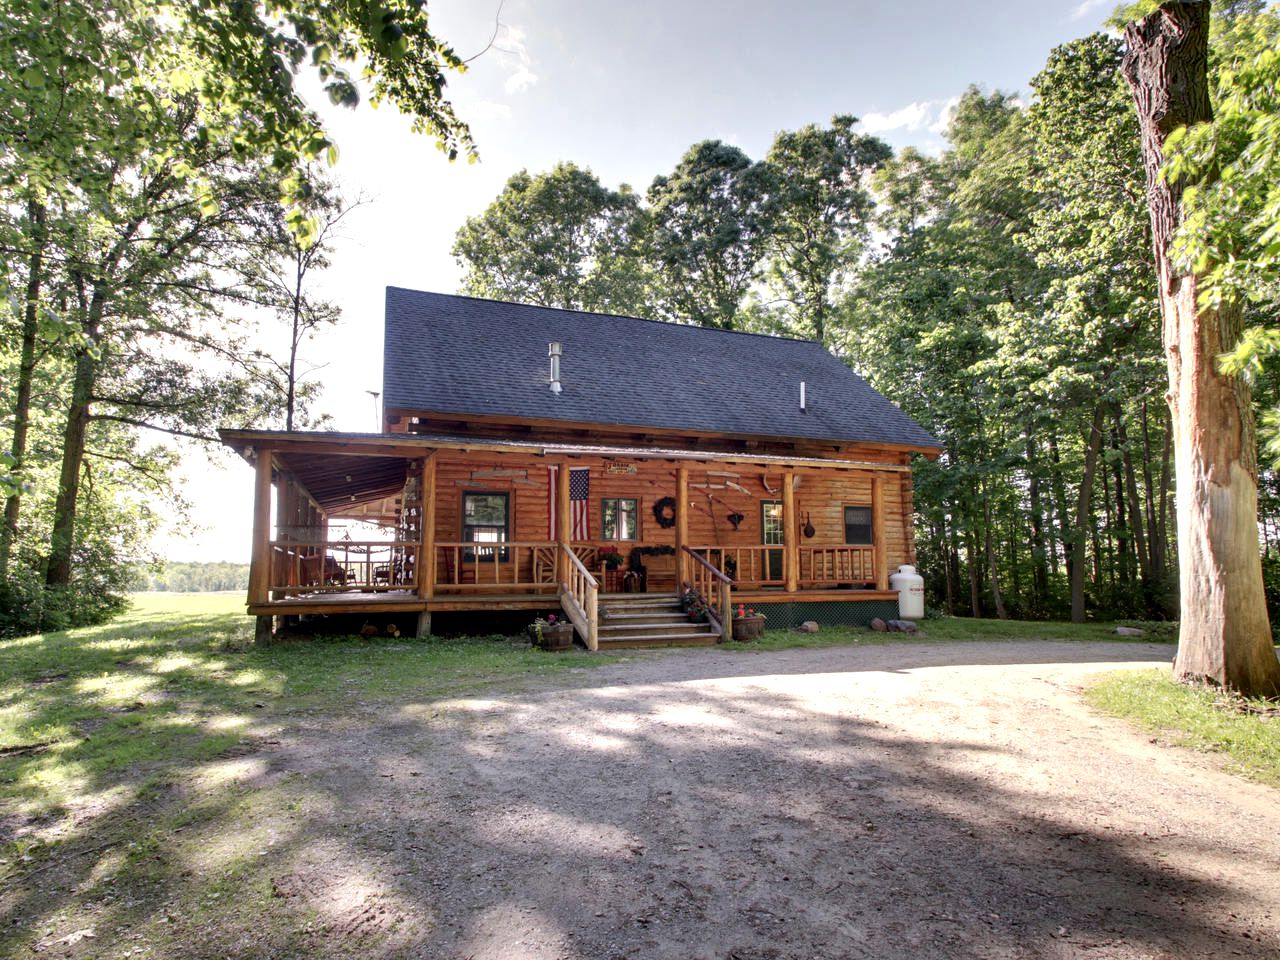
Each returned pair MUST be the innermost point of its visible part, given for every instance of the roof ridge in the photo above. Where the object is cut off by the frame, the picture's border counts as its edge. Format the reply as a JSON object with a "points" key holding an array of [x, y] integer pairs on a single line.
{"points": [[618, 316]]}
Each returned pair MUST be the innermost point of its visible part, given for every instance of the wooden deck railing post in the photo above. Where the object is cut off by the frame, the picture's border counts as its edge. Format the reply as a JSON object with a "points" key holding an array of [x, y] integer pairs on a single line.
{"points": [[790, 534], [260, 558], [593, 617], [564, 519], [427, 511], [703, 578], [580, 597], [682, 526], [881, 559], [425, 568]]}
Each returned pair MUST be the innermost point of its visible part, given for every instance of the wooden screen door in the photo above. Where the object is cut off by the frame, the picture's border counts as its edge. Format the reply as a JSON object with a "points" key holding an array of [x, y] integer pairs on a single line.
{"points": [[771, 534]]}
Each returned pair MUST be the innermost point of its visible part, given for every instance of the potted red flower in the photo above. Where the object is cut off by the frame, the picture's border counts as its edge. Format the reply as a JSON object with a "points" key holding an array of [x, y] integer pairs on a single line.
{"points": [[748, 624]]}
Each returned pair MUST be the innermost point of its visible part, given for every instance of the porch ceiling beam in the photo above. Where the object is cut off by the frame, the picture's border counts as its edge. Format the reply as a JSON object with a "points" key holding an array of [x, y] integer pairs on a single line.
{"points": [[414, 446]]}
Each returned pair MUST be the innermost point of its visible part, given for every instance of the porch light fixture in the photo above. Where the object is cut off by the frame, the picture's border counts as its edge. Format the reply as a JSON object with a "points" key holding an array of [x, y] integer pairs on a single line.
{"points": [[553, 351]]}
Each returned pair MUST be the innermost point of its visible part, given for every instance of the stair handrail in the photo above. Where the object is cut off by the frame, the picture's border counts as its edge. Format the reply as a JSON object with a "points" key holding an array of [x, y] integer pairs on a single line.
{"points": [[583, 590], [705, 574]]}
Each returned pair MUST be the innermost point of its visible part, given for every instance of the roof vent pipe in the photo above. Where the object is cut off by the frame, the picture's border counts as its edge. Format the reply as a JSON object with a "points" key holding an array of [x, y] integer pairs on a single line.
{"points": [[553, 351], [802, 398]]}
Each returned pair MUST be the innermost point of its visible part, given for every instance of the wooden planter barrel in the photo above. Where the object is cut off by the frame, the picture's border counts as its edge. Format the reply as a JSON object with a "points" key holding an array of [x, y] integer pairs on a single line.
{"points": [[554, 639], [746, 629]]}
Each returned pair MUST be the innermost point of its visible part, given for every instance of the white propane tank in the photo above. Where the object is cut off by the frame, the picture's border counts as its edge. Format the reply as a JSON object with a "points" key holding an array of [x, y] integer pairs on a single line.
{"points": [[910, 587]]}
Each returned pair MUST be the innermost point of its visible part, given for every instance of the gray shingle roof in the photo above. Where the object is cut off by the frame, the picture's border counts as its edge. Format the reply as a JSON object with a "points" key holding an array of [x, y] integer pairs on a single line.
{"points": [[464, 355]]}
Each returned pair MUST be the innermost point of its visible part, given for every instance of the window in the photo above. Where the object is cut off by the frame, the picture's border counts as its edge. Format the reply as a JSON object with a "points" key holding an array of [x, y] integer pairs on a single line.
{"points": [[857, 525], [771, 522], [620, 518], [485, 520], [772, 534]]}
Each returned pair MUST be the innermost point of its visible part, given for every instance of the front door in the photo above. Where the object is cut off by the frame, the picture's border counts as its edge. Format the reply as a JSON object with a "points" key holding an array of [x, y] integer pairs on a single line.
{"points": [[771, 534]]}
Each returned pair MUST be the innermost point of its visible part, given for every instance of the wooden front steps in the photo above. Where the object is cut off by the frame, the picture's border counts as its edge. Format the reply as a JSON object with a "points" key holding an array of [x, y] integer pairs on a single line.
{"points": [[650, 620]]}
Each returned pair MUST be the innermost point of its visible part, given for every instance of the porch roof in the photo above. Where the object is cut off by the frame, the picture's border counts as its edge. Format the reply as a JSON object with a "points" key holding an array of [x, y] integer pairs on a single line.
{"points": [[319, 443]]}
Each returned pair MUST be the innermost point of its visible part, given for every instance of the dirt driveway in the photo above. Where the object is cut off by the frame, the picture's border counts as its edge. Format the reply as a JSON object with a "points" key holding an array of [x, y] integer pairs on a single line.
{"points": [[884, 802]]}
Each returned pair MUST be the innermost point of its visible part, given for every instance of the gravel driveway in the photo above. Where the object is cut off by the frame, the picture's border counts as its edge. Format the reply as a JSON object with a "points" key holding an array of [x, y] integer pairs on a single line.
{"points": [[899, 801]]}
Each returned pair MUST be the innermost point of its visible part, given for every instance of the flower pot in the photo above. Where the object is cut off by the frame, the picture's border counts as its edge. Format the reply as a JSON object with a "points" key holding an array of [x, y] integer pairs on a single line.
{"points": [[556, 639], [746, 629]]}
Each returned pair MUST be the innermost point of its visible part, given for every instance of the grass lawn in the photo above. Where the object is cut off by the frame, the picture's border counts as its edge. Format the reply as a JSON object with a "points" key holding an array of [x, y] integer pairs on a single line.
{"points": [[1246, 733], [91, 716]]}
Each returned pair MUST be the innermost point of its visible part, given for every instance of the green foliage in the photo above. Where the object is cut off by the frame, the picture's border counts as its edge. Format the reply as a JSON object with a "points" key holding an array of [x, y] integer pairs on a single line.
{"points": [[710, 224], [821, 218], [1012, 310], [198, 577], [1230, 167], [145, 154], [559, 239]]}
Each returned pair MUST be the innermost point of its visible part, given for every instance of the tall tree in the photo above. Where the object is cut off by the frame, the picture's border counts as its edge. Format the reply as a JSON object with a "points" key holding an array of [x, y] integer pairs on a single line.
{"points": [[823, 211], [711, 220], [288, 283], [1224, 634], [1088, 232], [559, 239]]}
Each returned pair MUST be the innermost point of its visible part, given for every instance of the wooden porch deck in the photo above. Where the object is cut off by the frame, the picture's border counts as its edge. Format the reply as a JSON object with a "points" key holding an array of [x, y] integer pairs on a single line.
{"points": [[407, 601]]}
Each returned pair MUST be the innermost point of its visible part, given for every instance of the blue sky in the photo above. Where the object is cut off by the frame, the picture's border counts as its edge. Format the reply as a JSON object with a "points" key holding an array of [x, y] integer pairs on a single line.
{"points": [[625, 89]]}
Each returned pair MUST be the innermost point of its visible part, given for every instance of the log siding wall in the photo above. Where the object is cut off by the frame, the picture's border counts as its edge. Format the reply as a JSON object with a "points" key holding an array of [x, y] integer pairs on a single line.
{"points": [[820, 498]]}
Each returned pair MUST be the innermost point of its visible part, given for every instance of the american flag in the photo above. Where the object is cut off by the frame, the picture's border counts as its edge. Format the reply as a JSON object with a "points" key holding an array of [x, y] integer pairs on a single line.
{"points": [[579, 499]]}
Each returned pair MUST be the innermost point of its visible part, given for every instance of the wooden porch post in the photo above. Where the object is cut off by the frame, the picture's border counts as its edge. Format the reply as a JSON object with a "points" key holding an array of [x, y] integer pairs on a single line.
{"points": [[790, 544], [682, 526], [260, 558], [426, 564], [564, 520], [877, 532]]}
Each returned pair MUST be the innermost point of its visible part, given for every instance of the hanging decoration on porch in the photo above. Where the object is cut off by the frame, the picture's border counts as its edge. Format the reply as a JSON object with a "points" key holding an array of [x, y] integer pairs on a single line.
{"points": [[615, 467], [664, 511]]}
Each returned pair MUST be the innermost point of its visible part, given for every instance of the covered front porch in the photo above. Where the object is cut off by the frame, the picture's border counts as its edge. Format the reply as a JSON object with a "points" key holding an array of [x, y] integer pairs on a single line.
{"points": [[378, 524]]}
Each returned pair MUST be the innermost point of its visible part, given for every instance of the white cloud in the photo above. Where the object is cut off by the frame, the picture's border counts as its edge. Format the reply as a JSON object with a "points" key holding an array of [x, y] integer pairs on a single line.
{"points": [[515, 56], [923, 115], [1086, 7]]}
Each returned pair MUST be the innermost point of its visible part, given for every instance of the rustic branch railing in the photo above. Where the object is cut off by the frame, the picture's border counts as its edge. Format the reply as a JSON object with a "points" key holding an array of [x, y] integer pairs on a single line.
{"points": [[748, 566], [336, 565], [518, 566], [580, 597], [840, 564], [715, 589]]}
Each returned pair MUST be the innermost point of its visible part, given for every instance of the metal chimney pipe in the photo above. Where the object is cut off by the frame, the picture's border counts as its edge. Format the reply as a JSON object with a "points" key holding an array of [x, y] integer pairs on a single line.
{"points": [[802, 407], [553, 351]]}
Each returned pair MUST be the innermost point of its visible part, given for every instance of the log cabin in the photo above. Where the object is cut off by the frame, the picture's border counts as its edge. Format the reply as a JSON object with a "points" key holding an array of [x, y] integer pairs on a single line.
{"points": [[605, 466]]}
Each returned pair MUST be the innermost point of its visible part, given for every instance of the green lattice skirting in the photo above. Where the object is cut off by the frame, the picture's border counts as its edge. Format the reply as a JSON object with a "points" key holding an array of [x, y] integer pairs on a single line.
{"points": [[784, 615]]}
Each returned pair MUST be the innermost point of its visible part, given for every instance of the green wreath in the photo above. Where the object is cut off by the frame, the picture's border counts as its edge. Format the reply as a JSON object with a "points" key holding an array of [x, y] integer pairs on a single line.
{"points": [[664, 511]]}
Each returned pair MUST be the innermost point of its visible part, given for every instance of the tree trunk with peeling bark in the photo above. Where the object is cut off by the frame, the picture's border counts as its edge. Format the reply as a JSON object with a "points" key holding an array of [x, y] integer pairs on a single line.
{"points": [[1225, 637]]}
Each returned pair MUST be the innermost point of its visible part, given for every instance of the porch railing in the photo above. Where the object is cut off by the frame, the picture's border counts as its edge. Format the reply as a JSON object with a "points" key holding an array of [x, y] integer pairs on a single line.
{"points": [[321, 566], [749, 566], [580, 598], [823, 566], [518, 566], [715, 589]]}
